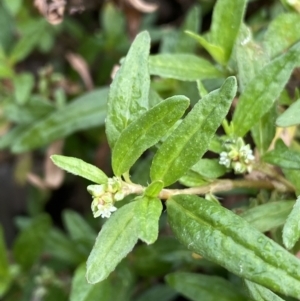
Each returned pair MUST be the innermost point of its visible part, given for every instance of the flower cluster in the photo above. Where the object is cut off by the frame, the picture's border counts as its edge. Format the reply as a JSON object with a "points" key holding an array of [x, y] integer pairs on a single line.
{"points": [[105, 196], [238, 156]]}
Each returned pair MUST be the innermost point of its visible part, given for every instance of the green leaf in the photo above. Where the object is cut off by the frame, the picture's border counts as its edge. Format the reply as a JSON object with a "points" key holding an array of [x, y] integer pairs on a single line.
{"points": [[128, 95], [5, 277], [260, 293], [36, 108], [77, 227], [268, 216], [85, 112], [147, 212], [282, 33], [291, 229], [186, 145], [81, 290], [60, 247], [198, 287], [261, 93], [226, 22], [215, 51], [23, 85], [154, 189], [30, 243], [264, 131], [159, 292], [250, 57], [294, 177], [186, 67], [221, 236], [209, 168], [115, 240], [146, 131], [283, 156], [192, 179], [9, 138], [80, 168], [291, 116], [28, 41]]}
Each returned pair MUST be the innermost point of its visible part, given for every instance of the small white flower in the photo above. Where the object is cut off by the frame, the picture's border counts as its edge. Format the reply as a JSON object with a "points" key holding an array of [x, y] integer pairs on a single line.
{"points": [[224, 159], [104, 210]]}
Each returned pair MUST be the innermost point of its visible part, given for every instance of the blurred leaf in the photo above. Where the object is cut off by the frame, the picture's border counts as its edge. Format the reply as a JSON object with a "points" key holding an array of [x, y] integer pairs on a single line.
{"points": [[159, 292], [186, 67], [282, 33], [220, 236], [264, 131], [209, 168], [260, 293], [262, 91], [283, 156], [129, 91], [60, 247], [13, 6], [291, 229], [80, 168], [178, 41], [9, 138], [85, 112], [6, 71], [23, 85], [197, 287], [294, 177], [115, 240], [5, 277], [147, 212], [30, 242], [7, 28], [77, 227], [146, 131], [268, 216], [185, 146], [226, 22], [215, 51], [28, 42], [291, 116], [36, 108]]}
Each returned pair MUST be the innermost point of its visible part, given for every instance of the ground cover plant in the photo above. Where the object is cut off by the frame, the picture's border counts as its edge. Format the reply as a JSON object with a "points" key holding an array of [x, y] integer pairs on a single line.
{"points": [[202, 200]]}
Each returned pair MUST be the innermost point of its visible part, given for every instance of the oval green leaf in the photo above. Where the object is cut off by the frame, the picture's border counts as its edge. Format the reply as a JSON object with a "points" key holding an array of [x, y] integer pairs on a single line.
{"points": [[260, 293], [80, 168], [115, 240], [291, 229], [198, 287], [186, 67], [268, 216], [261, 92], [226, 24], [128, 94], [191, 139], [283, 156], [226, 239], [86, 112], [291, 116], [148, 211], [146, 131]]}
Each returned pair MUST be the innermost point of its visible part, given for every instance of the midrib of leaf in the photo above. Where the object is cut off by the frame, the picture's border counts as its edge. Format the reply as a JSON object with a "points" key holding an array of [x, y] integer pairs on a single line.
{"points": [[246, 246], [183, 145]]}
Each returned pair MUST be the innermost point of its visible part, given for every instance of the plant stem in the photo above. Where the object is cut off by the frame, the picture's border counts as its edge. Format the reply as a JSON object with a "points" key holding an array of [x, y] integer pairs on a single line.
{"points": [[214, 187]]}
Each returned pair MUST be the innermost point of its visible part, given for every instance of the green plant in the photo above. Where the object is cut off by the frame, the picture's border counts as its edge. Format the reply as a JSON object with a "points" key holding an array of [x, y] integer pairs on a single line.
{"points": [[134, 125], [202, 152]]}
